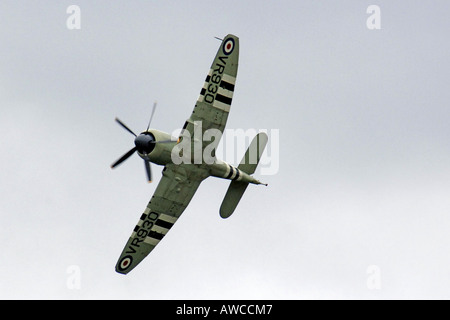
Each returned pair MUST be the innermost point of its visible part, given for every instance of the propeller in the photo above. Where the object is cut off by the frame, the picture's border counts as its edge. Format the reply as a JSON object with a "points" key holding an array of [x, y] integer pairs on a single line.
{"points": [[144, 144]]}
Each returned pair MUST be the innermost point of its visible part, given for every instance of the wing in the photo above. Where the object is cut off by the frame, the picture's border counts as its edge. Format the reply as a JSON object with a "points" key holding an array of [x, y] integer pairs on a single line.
{"points": [[172, 195], [213, 104]]}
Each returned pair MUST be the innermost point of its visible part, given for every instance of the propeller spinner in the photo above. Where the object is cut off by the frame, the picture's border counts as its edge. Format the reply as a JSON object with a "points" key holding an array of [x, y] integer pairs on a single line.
{"points": [[144, 144]]}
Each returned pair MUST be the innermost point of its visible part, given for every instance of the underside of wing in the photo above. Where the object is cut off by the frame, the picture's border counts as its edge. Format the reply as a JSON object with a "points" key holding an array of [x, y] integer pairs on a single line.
{"points": [[174, 192], [214, 102]]}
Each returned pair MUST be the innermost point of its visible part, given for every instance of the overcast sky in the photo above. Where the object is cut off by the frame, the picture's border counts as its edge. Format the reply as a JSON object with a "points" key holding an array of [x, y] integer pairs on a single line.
{"points": [[358, 121]]}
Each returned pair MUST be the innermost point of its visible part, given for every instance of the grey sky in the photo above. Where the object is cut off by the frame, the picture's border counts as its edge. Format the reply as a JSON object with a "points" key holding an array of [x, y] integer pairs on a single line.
{"points": [[364, 154]]}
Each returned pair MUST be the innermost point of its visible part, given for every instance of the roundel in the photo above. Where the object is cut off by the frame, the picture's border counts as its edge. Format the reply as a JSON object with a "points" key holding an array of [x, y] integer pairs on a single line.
{"points": [[125, 263], [228, 46]]}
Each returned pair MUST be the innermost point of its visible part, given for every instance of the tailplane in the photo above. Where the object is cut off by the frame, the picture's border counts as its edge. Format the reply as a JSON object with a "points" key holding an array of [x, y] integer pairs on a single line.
{"points": [[248, 166]]}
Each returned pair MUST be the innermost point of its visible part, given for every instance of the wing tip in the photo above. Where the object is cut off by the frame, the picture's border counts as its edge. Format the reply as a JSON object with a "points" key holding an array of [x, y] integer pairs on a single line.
{"points": [[121, 272]]}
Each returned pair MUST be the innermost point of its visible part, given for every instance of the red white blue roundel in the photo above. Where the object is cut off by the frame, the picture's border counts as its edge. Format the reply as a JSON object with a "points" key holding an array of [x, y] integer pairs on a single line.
{"points": [[125, 263], [228, 46]]}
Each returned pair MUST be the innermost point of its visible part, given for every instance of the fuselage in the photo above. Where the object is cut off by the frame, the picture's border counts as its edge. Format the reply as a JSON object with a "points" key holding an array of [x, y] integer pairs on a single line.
{"points": [[166, 153]]}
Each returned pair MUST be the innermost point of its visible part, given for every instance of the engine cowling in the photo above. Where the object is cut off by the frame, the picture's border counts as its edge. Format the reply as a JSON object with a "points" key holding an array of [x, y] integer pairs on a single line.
{"points": [[149, 148]]}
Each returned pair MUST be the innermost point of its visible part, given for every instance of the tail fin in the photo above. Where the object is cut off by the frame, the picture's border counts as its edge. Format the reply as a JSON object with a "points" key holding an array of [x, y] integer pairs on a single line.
{"points": [[248, 165]]}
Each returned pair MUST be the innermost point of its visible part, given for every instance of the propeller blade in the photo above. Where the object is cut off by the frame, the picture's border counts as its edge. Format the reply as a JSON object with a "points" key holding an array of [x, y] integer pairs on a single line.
{"points": [[123, 158], [151, 117], [125, 127], [148, 170]]}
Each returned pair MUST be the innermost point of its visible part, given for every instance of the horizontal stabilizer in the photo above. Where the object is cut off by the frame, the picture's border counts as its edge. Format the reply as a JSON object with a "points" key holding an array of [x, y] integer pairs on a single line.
{"points": [[248, 165], [254, 152], [232, 198]]}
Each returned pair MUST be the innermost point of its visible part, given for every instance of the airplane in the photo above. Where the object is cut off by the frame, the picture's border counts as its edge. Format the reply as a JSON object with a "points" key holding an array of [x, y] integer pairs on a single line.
{"points": [[180, 180]]}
